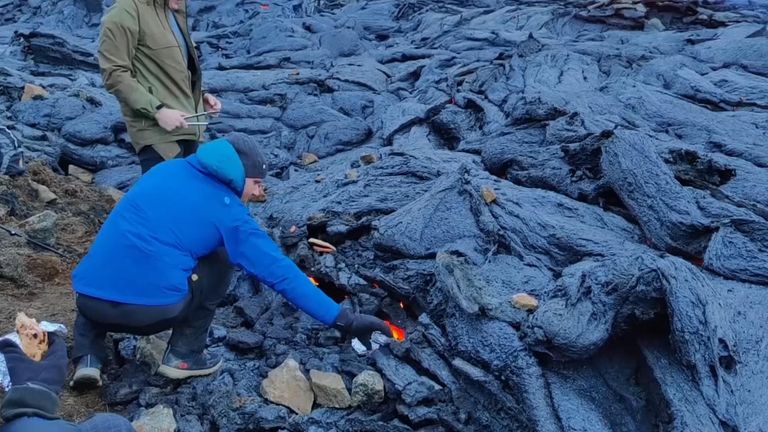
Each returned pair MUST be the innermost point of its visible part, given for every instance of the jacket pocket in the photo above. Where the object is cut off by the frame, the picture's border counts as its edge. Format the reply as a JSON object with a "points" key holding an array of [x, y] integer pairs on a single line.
{"points": [[165, 52], [160, 40]]}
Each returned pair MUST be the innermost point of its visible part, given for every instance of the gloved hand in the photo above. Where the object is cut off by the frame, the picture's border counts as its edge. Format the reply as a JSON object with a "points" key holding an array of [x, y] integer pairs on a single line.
{"points": [[360, 326], [34, 385]]}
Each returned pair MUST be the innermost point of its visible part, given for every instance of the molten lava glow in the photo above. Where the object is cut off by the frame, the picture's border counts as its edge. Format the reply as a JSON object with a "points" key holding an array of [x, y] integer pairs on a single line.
{"points": [[397, 332], [314, 281]]}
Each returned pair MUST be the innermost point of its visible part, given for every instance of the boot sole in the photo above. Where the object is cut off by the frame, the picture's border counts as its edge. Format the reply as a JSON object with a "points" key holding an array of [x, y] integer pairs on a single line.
{"points": [[86, 379], [174, 373]]}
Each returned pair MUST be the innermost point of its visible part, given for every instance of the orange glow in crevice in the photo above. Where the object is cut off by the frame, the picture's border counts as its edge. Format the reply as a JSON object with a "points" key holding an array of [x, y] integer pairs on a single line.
{"points": [[314, 281], [397, 333]]}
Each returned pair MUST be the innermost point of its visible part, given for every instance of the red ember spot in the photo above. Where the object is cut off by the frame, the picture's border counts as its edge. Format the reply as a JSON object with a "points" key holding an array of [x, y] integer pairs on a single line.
{"points": [[397, 332], [264, 6]]}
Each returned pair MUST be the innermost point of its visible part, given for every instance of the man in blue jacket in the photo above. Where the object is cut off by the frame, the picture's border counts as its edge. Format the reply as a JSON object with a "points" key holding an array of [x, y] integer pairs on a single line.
{"points": [[144, 273]]}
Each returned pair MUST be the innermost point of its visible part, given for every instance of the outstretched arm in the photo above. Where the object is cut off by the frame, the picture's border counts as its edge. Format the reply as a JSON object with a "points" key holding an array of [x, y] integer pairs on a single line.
{"points": [[251, 248]]}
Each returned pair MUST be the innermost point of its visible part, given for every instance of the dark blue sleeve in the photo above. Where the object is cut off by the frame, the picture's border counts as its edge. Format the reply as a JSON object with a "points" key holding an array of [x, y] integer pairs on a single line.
{"points": [[251, 248], [37, 424]]}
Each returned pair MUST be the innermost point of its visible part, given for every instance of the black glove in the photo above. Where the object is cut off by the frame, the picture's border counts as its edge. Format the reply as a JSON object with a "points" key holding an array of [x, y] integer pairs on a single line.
{"points": [[34, 385], [360, 326]]}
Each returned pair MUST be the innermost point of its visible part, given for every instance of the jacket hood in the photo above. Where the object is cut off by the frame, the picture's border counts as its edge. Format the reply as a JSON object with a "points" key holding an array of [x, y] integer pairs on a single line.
{"points": [[220, 159]]}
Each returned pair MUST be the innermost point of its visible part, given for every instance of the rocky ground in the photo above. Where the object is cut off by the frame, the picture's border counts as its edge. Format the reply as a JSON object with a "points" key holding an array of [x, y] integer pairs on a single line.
{"points": [[54, 210], [564, 203]]}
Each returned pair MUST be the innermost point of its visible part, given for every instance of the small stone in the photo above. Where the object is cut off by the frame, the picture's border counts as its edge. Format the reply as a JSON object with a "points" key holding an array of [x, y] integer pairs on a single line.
{"points": [[157, 419], [422, 389], [123, 393], [525, 301], [126, 348], [150, 350], [83, 174], [43, 193], [309, 158], [488, 194], [244, 339], [368, 159], [216, 334], [367, 389], [328, 337], [115, 194], [654, 25], [633, 12], [329, 389], [319, 179], [352, 174], [32, 91], [40, 227], [286, 385], [150, 396], [190, 423]]}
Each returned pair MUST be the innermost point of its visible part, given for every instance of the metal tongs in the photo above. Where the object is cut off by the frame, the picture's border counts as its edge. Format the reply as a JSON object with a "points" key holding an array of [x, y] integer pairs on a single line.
{"points": [[198, 115]]}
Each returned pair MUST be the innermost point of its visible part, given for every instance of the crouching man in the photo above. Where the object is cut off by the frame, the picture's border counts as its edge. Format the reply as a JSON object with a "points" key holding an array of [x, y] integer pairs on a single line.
{"points": [[143, 273]]}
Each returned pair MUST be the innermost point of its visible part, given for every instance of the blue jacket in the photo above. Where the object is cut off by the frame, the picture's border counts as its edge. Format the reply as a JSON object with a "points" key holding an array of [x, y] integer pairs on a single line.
{"points": [[178, 212]]}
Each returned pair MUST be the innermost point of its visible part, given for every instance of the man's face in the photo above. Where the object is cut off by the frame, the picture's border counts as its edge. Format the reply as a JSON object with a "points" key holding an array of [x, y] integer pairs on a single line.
{"points": [[175, 4], [254, 190]]}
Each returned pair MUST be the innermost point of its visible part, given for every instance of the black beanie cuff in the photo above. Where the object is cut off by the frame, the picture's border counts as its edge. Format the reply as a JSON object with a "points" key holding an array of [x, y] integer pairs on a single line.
{"points": [[29, 400]]}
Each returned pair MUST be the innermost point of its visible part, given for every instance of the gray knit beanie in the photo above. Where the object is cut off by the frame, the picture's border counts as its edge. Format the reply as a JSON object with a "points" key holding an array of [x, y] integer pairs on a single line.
{"points": [[253, 160]]}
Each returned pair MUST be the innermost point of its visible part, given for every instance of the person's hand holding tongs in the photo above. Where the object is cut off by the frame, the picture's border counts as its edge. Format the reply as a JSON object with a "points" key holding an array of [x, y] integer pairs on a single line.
{"points": [[198, 115]]}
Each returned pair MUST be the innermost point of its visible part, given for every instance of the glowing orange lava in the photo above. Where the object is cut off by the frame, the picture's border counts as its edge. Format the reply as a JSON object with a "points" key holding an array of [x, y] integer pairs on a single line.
{"points": [[397, 333]]}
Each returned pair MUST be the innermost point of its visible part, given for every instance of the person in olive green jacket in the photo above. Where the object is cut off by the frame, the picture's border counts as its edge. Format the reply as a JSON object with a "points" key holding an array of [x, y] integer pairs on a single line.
{"points": [[149, 63]]}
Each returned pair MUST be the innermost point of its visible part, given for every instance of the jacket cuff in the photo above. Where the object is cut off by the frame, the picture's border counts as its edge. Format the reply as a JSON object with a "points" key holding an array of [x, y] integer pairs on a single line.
{"points": [[29, 400], [150, 106], [343, 320]]}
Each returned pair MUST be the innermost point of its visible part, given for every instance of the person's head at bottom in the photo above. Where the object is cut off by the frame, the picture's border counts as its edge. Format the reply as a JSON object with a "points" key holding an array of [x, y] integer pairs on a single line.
{"points": [[32, 401]]}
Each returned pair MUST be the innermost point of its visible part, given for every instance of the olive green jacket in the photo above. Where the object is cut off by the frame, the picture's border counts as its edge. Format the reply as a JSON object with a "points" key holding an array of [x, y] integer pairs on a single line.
{"points": [[143, 66]]}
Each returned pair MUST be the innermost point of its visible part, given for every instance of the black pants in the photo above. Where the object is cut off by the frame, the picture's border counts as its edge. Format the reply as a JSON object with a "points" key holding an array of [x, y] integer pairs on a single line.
{"points": [[149, 157], [189, 319]]}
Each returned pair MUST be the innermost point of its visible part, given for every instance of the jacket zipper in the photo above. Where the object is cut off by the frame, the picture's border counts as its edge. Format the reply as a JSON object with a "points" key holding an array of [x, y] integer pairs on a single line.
{"points": [[181, 51], [193, 56]]}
